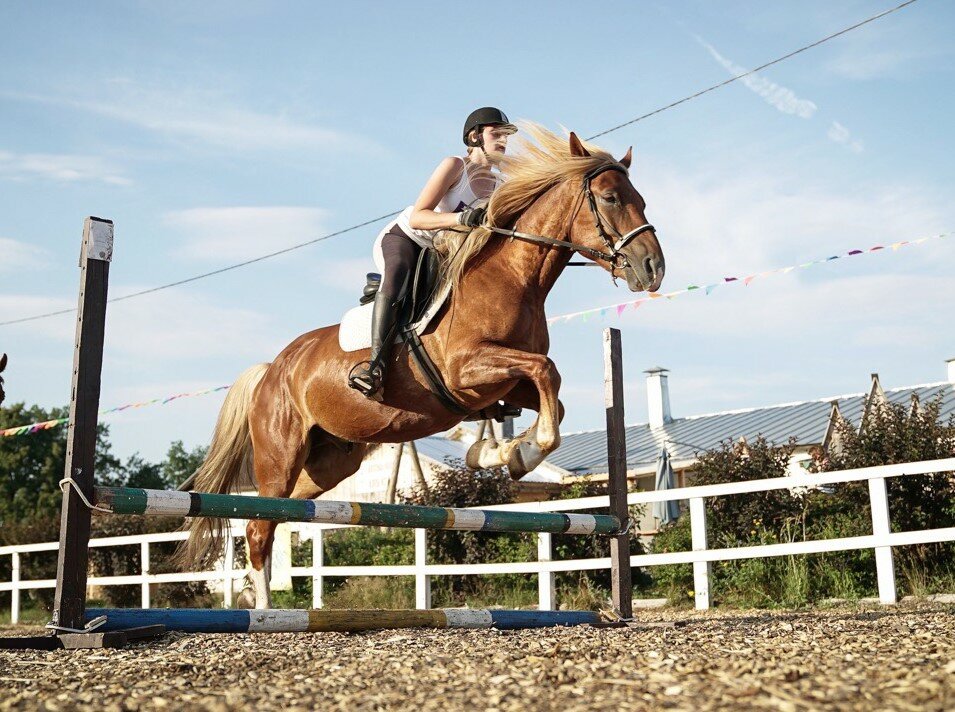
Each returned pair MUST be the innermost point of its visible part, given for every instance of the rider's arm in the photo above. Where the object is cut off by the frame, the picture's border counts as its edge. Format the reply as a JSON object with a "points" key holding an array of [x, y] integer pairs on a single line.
{"points": [[423, 216]]}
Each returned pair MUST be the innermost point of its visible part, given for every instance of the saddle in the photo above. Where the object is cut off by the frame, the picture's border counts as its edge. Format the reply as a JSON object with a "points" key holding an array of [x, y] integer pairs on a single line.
{"points": [[416, 300], [418, 306]]}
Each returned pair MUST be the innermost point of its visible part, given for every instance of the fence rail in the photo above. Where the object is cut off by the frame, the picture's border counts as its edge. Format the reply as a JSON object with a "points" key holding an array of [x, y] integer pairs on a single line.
{"points": [[881, 540]]}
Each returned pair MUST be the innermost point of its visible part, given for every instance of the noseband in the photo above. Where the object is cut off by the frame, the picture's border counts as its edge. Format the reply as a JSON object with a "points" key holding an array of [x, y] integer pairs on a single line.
{"points": [[613, 255]]}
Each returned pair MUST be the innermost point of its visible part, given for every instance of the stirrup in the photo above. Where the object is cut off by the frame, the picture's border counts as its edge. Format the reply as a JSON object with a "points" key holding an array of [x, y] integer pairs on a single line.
{"points": [[367, 381]]}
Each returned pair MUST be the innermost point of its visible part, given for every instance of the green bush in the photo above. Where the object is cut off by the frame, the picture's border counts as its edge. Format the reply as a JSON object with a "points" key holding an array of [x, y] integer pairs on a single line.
{"points": [[460, 487], [568, 546], [895, 433]]}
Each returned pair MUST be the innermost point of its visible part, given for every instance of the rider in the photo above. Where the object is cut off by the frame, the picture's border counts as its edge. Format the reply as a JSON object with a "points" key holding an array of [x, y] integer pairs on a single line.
{"points": [[449, 200]]}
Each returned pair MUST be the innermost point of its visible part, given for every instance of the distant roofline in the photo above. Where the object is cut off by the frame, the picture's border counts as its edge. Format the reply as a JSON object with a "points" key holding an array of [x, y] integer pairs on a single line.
{"points": [[738, 411]]}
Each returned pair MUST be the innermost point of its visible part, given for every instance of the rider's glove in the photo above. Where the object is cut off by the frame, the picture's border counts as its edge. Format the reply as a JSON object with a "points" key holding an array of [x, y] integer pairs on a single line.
{"points": [[472, 217]]}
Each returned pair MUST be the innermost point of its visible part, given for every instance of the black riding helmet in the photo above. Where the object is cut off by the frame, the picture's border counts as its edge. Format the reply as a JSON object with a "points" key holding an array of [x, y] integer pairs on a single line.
{"points": [[485, 116]]}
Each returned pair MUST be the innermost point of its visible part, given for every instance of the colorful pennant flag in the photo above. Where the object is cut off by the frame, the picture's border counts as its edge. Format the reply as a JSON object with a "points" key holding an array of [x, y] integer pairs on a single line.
{"points": [[707, 289], [46, 425]]}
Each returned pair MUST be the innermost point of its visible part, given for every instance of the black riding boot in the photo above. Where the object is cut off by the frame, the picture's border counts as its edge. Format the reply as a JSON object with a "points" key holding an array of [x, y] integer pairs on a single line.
{"points": [[368, 377]]}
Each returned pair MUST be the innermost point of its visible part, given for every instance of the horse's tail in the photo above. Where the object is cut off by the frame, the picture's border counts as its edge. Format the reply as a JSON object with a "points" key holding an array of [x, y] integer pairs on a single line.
{"points": [[228, 465]]}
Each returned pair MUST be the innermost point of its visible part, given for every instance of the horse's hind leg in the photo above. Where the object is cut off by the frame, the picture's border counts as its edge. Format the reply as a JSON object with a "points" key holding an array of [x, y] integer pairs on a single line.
{"points": [[280, 448], [329, 462]]}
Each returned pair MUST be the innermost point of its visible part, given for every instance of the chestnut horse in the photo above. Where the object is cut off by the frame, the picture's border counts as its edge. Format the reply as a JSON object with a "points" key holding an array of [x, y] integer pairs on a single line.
{"points": [[295, 428]]}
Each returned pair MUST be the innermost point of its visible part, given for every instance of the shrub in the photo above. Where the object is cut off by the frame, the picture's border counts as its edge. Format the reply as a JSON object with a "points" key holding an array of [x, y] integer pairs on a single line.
{"points": [[896, 433]]}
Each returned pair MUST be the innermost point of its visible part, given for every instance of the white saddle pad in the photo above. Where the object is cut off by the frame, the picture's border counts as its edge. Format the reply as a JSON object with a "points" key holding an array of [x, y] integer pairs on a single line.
{"points": [[354, 333]]}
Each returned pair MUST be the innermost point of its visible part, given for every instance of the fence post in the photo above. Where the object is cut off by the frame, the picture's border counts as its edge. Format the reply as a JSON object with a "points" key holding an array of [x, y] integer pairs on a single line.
{"points": [[318, 562], [144, 570], [228, 568], [69, 605], [881, 527], [15, 590], [422, 582], [701, 569], [621, 575], [546, 593]]}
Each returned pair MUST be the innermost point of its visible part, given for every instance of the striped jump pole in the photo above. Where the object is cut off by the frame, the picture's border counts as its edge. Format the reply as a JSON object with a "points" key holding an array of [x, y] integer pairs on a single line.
{"points": [[127, 500], [198, 620]]}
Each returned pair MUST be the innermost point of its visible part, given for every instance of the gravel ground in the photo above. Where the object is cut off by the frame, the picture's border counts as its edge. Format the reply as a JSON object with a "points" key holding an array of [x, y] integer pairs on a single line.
{"points": [[843, 658]]}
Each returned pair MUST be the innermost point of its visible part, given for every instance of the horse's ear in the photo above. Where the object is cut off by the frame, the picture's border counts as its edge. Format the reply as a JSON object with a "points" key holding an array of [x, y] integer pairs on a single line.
{"points": [[576, 147], [3, 362], [625, 161]]}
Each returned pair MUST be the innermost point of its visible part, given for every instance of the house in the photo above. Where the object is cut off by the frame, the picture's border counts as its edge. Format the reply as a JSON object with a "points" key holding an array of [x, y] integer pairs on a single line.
{"points": [[584, 454], [810, 423]]}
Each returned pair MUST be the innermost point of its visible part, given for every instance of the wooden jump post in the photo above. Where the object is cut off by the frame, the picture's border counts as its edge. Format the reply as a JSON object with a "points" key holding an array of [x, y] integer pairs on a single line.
{"points": [[73, 626]]}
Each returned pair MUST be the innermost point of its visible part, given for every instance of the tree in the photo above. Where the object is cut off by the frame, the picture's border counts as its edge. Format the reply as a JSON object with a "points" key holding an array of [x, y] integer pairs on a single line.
{"points": [[31, 466]]}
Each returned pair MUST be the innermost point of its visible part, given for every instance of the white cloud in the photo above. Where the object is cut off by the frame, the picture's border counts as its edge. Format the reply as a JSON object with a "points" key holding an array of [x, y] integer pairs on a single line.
{"points": [[866, 65], [719, 225], [239, 233], [177, 326], [173, 326], [16, 255], [779, 97], [864, 311], [60, 167], [347, 275], [207, 117], [840, 134], [15, 306]]}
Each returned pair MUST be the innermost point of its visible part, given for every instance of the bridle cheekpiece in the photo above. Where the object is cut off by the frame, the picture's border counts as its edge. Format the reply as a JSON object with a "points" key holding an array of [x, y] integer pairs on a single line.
{"points": [[613, 255]]}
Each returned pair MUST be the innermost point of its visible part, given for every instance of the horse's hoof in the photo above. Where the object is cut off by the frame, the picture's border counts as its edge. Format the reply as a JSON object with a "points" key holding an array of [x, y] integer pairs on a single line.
{"points": [[523, 458], [483, 454], [246, 599]]}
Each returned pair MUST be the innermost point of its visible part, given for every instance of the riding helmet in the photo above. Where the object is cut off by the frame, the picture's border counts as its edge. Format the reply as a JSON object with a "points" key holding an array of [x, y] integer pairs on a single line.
{"points": [[485, 116]]}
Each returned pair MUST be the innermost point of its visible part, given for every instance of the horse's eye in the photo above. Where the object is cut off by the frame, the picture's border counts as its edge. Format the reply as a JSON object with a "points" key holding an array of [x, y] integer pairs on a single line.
{"points": [[612, 199]]}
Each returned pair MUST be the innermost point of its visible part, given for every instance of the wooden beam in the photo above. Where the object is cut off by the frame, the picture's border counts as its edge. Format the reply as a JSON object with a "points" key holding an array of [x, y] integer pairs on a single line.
{"points": [[70, 600], [392, 490], [621, 575]]}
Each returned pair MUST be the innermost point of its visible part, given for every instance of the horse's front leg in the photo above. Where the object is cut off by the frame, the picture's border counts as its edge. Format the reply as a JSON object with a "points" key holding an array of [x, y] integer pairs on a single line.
{"points": [[498, 364]]}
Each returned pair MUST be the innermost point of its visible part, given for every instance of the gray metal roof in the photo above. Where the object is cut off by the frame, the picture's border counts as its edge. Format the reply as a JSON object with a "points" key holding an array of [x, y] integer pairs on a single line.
{"points": [[441, 449], [586, 452]]}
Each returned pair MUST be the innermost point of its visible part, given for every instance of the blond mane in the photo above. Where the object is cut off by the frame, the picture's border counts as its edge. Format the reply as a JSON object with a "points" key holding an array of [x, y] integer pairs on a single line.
{"points": [[542, 161]]}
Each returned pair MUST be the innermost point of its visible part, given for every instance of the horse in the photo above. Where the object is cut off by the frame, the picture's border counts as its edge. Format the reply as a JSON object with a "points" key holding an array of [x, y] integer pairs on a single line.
{"points": [[295, 429], [3, 365]]}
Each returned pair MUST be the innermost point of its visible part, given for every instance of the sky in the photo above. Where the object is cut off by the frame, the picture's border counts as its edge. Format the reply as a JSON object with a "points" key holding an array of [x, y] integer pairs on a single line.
{"points": [[215, 132]]}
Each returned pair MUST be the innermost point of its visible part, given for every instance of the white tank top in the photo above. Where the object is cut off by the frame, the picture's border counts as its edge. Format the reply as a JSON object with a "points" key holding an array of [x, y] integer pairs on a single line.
{"points": [[459, 196]]}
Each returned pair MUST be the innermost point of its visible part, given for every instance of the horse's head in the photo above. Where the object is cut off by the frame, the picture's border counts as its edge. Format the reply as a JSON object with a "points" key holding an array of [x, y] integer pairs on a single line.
{"points": [[3, 365], [610, 218]]}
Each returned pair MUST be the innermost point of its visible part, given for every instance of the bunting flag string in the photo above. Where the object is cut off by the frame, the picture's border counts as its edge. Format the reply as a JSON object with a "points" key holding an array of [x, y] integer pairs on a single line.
{"points": [[47, 424], [745, 281], [584, 315]]}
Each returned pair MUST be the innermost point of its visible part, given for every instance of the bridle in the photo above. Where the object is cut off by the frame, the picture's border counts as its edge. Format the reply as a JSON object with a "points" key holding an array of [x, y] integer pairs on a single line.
{"points": [[613, 255]]}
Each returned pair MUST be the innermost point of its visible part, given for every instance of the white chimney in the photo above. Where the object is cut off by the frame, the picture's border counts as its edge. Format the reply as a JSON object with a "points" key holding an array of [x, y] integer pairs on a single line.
{"points": [[951, 370], [658, 396]]}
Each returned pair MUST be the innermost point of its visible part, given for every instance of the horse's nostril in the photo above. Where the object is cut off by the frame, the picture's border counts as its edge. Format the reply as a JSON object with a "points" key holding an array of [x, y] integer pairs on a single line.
{"points": [[648, 266]]}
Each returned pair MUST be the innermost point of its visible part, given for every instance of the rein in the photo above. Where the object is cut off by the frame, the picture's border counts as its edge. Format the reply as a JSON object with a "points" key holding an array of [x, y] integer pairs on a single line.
{"points": [[613, 254]]}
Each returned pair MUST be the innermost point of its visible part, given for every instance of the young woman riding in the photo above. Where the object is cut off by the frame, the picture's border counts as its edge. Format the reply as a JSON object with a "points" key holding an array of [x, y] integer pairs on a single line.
{"points": [[450, 200]]}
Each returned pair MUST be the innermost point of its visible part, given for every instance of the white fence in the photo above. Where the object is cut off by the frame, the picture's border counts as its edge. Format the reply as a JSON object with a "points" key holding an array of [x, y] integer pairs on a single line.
{"points": [[881, 540]]}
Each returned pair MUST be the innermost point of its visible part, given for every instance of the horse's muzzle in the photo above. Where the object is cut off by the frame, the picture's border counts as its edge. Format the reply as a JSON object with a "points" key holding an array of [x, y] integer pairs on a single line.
{"points": [[646, 273]]}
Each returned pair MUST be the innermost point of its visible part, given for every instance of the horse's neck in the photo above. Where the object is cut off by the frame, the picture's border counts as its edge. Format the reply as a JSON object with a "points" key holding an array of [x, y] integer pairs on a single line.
{"points": [[521, 268]]}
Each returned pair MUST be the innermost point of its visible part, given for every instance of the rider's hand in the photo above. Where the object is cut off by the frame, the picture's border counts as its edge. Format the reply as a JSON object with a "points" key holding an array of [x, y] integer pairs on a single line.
{"points": [[472, 217]]}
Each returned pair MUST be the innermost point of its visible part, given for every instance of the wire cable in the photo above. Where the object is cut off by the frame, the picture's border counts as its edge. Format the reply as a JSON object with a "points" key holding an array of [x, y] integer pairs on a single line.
{"points": [[671, 105]]}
